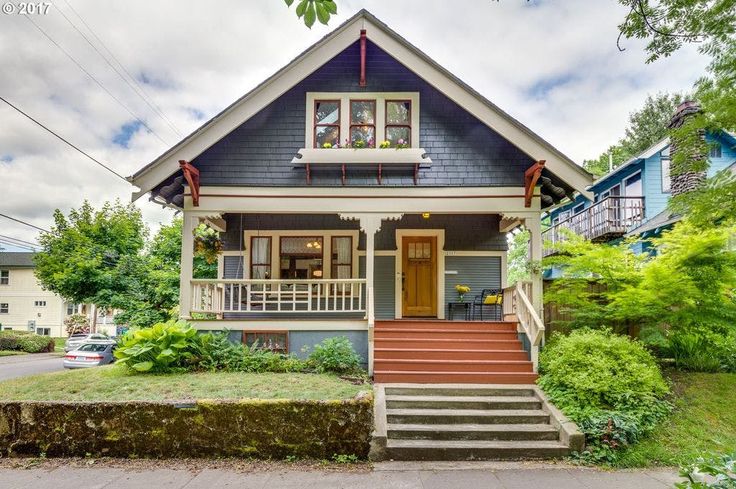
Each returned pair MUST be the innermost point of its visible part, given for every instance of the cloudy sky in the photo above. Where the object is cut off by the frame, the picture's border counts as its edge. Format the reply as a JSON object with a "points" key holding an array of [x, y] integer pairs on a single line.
{"points": [[552, 64]]}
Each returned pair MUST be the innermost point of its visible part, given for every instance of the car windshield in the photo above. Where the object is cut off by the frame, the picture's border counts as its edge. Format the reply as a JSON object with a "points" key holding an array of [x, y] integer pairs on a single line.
{"points": [[92, 347]]}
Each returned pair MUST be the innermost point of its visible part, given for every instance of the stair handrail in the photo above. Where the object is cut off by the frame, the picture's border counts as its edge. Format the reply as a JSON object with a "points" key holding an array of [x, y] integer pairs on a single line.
{"points": [[527, 316]]}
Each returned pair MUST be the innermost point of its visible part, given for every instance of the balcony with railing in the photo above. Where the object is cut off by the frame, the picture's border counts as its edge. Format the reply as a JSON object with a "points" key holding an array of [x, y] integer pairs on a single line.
{"points": [[605, 220], [225, 297]]}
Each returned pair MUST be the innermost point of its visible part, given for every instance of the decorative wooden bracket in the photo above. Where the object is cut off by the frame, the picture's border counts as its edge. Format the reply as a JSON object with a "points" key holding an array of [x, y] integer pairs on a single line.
{"points": [[191, 175], [363, 39], [531, 175]]}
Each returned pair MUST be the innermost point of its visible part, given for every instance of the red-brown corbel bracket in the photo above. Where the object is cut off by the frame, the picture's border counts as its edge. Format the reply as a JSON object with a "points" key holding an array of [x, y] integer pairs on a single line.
{"points": [[191, 175], [531, 175]]}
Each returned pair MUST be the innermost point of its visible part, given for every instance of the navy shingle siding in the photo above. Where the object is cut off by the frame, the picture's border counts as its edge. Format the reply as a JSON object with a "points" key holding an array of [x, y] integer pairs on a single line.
{"points": [[464, 151]]}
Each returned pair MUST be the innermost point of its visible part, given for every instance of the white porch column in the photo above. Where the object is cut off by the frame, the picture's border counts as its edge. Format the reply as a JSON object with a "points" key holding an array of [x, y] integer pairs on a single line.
{"points": [[187, 265], [370, 224], [534, 225]]}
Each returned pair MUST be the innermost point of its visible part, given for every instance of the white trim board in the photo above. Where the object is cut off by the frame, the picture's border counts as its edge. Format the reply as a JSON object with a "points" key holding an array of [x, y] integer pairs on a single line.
{"points": [[327, 48]]}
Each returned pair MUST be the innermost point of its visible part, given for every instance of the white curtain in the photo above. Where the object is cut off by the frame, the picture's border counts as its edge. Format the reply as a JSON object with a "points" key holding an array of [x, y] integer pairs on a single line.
{"points": [[342, 256], [260, 258]]}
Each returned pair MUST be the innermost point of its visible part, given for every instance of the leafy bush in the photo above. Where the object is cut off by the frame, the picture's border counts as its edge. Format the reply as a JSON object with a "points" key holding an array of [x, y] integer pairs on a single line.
{"points": [[608, 384], [219, 353], [702, 349], [335, 355], [25, 341], [716, 472], [76, 323], [164, 347]]}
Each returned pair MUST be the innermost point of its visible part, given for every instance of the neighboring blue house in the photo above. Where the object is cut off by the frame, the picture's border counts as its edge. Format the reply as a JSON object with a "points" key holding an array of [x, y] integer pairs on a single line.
{"points": [[632, 199]]}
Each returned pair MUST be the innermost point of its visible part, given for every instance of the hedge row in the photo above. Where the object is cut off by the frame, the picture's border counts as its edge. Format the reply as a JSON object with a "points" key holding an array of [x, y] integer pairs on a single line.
{"points": [[25, 341], [247, 428]]}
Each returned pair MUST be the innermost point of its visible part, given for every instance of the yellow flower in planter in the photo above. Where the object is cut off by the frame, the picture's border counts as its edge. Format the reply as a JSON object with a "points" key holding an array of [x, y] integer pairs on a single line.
{"points": [[327, 145], [461, 291]]}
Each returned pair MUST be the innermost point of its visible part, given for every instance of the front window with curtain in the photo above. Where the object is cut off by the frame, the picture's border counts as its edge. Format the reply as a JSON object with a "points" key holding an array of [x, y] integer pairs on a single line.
{"points": [[260, 257], [342, 257], [301, 257]]}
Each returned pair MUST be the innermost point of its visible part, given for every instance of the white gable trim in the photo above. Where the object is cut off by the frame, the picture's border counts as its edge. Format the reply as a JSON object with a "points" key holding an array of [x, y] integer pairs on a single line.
{"points": [[523, 138]]}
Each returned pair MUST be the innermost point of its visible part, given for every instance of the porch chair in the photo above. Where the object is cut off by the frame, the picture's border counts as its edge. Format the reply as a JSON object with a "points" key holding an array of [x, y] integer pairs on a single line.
{"points": [[492, 298]]}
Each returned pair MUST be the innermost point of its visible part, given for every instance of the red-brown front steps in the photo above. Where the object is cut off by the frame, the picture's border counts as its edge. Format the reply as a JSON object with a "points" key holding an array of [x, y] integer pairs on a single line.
{"points": [[432, 351]]}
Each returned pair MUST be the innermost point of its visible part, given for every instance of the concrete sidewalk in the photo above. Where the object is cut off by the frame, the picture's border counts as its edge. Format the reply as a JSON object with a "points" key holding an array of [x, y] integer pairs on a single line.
{"points": [[439, 475]]}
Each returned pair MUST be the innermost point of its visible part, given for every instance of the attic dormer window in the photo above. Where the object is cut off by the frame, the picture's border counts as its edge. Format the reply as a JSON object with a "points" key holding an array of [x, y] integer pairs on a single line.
{"points": [[362, 119]]}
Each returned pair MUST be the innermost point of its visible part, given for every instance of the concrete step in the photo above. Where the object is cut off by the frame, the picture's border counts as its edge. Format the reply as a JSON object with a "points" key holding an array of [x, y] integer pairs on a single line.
{"points": [[461, 402], [465, 390], [483, 366], [473, 432], [452, 325], [444, 333], [448, 354], [466, 416], [473, 449], [423, 377], [449, 343]]}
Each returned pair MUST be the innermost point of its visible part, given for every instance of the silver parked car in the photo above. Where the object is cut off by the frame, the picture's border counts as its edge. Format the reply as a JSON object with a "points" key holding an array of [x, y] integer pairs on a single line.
{"points": [[92, 354], [75, 340]]}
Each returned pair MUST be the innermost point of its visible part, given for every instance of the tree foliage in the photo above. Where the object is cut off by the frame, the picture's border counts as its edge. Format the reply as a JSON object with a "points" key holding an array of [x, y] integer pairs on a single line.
{"points": [[518, 258], [646, 126], [87, 256], [311, 10], [667, 25]]}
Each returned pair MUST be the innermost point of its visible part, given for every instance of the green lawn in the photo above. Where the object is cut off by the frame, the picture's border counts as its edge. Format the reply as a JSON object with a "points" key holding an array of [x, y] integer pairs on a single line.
{"points": [[59, 344], [114, 383], [10, 353], [704, 420]]}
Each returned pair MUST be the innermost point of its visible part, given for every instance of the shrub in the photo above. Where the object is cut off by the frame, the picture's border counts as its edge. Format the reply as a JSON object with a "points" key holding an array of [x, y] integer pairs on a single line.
{"points": [[219, 353], [335, 355], [608, 384], [164, 347], [716, 472], [25, 341], [703, 349], [76, 323]]}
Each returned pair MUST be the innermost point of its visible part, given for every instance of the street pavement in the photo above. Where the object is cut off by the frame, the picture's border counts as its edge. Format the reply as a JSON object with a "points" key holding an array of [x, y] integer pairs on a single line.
{"points": [[34, 363], [435, 475]]}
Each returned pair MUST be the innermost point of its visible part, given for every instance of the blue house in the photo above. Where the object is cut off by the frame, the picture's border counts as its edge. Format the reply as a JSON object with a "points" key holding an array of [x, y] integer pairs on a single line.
{"points": [[632, 199]]}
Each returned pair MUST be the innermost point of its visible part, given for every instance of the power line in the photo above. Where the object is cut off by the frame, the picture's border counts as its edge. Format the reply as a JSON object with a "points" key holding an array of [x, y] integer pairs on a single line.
{"points": [[95, 79], [137, 90], [24, 222], [20, 240], [67, 142], [17, 245]]}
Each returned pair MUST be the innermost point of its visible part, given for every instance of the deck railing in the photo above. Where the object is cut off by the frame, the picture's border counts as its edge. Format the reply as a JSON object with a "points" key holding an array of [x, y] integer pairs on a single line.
{"points": [[610, 218], [221, 296]]}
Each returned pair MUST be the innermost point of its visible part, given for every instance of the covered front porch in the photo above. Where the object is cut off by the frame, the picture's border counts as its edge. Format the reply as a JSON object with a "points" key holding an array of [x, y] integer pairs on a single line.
{"points": [[311, 273]]}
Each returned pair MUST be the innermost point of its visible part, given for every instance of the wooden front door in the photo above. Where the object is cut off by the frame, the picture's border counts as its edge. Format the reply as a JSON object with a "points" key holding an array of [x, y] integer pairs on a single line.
{"points": [[419, 276]]}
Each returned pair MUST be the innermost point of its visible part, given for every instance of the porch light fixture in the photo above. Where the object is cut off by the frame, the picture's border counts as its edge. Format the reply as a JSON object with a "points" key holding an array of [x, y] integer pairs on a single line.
{"points": [[425, 215]]}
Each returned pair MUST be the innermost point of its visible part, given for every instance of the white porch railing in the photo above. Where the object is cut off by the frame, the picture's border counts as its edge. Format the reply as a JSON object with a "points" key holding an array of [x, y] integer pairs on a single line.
{"points": [[518, 301], [220, 296]]}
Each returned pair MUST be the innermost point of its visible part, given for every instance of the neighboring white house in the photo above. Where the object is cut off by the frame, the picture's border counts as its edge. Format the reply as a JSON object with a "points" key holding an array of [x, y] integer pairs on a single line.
{"points": [[25, 305]]}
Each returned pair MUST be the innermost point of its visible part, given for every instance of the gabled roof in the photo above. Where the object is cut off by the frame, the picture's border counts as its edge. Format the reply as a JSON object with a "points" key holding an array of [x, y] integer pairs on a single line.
{"points": [[17, 259], [647, 153], [317, 55]]}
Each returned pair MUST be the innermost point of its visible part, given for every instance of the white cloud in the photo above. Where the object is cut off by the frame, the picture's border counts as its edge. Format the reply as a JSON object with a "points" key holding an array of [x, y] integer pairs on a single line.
{"points": [[552, 65]]}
